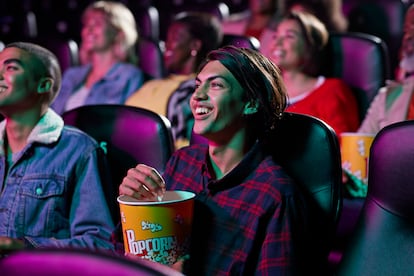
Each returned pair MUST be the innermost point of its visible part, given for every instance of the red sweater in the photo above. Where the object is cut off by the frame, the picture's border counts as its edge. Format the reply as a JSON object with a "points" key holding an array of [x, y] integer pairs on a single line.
{"points": [[334, 103]]}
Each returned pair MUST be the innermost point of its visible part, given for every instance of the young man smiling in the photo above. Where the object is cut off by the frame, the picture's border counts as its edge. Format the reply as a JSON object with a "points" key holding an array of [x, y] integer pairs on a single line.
{"points": [[51, 190], [248, 214]]}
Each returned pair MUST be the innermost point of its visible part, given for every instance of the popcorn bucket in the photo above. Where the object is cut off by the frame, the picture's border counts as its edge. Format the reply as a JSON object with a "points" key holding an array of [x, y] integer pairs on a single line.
{"points": [[355, 149], [158, 230]]}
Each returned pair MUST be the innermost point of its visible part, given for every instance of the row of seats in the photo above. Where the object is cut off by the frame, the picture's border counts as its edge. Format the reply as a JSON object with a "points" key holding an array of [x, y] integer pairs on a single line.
{"points": [[38, 17], [63, 19], [385, 220]]}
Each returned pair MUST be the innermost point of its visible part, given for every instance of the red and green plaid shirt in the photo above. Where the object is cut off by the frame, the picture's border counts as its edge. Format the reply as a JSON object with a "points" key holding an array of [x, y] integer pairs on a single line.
{"points": [[243, 221]]}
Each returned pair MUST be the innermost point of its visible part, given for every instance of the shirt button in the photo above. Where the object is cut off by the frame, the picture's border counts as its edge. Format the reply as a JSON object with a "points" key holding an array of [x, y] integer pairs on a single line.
{"points": [[39, 191]]}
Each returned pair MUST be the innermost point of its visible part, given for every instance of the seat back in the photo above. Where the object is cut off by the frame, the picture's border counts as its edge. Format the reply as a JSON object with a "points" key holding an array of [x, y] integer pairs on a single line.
{"points": [[362, 61], [150, 58], [241, 41], [17, 26], [59, 261], [148, 20], [169, 9], [308, 149], [363, 16], [65, 49], [383, 241], [129, 136], [303, 145]]}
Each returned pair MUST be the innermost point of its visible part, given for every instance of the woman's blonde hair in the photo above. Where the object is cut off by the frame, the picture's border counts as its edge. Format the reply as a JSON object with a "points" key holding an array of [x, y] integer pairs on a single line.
{"points": [[121, 18]]}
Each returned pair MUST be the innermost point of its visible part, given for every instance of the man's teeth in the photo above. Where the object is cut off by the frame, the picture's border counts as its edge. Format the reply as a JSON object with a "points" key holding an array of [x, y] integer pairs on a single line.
{"points": [[202, 110], [2, 89]]}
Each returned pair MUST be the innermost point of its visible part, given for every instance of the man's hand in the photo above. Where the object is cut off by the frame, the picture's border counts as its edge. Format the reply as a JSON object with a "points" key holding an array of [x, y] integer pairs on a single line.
{"points": [[8, 245], [143, 182]]}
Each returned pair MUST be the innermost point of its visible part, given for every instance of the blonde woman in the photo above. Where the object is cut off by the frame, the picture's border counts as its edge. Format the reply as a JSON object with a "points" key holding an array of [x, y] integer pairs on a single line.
{"points": [[108, 73]]}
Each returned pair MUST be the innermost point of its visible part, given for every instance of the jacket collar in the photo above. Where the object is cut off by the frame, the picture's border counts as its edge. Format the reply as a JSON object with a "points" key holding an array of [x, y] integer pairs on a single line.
{"points": [[46, 131]]}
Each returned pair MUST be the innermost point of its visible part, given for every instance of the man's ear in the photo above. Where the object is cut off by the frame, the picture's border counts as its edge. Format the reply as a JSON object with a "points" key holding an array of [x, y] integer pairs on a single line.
{"points": [[45, 85], [250, 108]]}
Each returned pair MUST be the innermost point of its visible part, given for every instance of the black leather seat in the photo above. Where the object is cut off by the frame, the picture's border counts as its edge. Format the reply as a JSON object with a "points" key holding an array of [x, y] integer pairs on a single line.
{"points": [[308, 149], [382, 18], [17, 24], [148, 20], [129, 135], [383, 241], [362, 61], [303, 145], [65, 49], [151, 58]]}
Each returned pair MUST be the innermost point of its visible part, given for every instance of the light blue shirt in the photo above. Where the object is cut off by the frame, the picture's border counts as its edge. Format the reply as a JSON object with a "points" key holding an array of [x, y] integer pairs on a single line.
{"points": [[122, 80], [52, 193]]}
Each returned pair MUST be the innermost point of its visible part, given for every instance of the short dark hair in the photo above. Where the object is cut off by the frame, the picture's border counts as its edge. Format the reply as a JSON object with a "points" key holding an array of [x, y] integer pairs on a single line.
{"points": [[261, 80], [48, 61], [203, 26]]}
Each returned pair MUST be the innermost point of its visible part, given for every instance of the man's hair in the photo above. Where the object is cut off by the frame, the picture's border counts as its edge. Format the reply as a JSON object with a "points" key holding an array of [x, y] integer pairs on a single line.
{"points": [[261, 80], [49, 64]]}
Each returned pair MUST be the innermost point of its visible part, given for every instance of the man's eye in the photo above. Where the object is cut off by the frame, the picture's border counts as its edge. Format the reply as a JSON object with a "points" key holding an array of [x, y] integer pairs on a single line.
{"points": [[11, 68], [216, 84]]}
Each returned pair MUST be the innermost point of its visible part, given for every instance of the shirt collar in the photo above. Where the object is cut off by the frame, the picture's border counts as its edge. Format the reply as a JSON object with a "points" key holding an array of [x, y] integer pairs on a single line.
{"points": [[236, 176], [47, 130]]}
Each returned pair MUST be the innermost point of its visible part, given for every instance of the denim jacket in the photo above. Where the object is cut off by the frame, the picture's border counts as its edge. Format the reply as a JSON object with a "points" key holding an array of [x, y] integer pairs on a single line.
{"points": [[52, 193], [118, 84]]}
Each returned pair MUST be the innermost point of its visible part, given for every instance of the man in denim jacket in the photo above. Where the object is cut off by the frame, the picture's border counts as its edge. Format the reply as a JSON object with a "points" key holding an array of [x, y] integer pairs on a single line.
{"points": [[51, 191]]}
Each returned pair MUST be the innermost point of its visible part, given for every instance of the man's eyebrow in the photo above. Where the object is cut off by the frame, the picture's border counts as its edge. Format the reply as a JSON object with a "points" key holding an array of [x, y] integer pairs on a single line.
{"points": [[13, 60], [211, 78]]}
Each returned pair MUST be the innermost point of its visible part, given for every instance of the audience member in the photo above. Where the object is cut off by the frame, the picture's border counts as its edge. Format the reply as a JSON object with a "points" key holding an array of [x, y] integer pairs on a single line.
{"points": [[109, 74], [247, 208], [395, 101], [298, 50], [254, 20], [51, 190], [190, 37]]}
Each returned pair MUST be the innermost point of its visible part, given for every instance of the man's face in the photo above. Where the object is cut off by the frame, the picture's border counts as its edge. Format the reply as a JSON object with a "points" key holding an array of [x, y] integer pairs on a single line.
{"points": [[18, 84], [217, 103]]}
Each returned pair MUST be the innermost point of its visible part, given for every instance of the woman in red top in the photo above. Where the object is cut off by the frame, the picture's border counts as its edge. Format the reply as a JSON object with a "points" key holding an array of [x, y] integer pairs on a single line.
{"points": [[299, 42]]}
